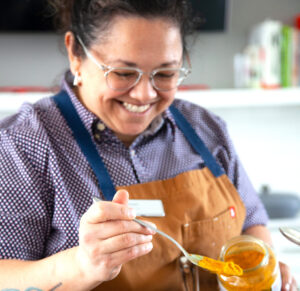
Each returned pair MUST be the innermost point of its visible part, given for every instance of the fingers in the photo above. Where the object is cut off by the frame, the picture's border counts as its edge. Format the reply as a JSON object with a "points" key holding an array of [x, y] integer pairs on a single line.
{"points": [[108, 238], [117, 227], [125, 255], [124, 241], [105, 210], [288, 282], [121, 197]]}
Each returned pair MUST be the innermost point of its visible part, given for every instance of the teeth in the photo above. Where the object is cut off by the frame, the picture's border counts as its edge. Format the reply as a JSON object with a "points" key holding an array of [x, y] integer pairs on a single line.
{"points": [[135, 108]]}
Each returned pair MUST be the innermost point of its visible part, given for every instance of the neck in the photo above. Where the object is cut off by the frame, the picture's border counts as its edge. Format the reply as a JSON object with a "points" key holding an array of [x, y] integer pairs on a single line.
{"points": [[126, 139]]}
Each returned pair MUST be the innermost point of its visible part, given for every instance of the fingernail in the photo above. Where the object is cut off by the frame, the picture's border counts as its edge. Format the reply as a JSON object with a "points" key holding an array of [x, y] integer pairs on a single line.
{"points": [[154, 226], [287, 286], [131, 213], [149, 246], [147, 238]]}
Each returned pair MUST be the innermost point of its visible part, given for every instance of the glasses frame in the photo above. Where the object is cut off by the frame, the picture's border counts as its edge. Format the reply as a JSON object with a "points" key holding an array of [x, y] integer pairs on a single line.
{"points": [[107, 69]]}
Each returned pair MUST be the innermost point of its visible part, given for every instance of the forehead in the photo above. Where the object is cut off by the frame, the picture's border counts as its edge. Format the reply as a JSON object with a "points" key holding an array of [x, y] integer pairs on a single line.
{"points": [[139, 40]]}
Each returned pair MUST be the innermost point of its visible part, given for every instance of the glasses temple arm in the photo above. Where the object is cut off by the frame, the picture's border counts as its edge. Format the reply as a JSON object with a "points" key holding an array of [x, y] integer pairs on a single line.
{"points": [[89, 55]]}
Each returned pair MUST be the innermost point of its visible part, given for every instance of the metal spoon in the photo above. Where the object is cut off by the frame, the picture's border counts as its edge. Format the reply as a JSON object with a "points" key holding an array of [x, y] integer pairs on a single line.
{"points": [[211, 264], [291, 234], [192, 258]]}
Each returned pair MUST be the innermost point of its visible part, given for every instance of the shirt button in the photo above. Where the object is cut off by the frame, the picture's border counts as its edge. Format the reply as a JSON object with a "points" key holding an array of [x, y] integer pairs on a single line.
{"points": [[132, 153], [97, 137], [100, 126]]}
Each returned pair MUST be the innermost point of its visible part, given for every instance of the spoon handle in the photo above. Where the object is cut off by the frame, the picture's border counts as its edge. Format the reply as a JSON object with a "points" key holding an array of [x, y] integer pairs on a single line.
{"points": [[163, 234]]}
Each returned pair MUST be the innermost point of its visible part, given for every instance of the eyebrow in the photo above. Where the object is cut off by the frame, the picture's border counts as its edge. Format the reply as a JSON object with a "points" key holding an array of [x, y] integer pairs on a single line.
{"points": [[131, 64]]}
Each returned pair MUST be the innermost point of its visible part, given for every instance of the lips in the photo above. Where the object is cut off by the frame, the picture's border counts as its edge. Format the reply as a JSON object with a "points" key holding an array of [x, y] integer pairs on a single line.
{"points": [[135, 108]]}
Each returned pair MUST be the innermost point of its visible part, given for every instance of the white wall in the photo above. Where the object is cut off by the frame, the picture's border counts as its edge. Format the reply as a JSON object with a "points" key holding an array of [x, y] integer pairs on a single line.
{"points": [[31, 59], [267, 140], [37, 59]]}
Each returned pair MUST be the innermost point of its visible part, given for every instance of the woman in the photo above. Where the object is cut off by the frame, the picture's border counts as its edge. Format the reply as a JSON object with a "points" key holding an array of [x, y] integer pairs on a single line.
{"points": [[113, 131]]}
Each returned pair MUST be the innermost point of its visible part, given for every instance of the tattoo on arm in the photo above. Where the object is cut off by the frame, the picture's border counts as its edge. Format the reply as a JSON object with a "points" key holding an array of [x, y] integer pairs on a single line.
{"points": [[56, 286], [33, 288]]}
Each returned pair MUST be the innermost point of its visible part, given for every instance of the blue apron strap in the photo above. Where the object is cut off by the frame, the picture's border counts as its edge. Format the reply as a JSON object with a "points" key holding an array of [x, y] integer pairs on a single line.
{"points": [[87, 146], [196, 142]]}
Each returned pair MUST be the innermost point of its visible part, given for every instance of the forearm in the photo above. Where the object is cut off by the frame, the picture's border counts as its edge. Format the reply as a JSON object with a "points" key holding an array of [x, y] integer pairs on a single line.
{"points": [[261, 232], [57, 272]]}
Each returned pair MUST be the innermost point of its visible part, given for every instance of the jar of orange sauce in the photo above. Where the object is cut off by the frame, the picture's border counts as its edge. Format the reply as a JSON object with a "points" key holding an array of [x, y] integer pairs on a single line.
{"points": [[258, 261]]}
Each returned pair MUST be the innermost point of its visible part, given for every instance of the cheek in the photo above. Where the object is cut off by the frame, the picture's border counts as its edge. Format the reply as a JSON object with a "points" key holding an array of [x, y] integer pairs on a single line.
{"points": [[106, 100], [167, 97]]}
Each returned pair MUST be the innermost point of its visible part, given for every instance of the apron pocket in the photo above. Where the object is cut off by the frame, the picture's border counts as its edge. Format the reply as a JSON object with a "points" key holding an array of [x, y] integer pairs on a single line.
{"points": [[207, 236]]}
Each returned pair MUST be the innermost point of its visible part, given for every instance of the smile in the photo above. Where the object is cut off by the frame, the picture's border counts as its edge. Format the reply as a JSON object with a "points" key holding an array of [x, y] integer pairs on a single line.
{"points": [[136, 108]]}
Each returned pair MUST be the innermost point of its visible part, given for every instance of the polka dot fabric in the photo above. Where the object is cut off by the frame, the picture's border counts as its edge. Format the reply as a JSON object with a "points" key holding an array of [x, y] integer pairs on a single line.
{"points": [[46, 184]]}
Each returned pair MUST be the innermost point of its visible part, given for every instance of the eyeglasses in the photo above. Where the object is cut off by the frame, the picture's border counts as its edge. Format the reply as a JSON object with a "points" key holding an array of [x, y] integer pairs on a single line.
{"points": [[124, 78]]}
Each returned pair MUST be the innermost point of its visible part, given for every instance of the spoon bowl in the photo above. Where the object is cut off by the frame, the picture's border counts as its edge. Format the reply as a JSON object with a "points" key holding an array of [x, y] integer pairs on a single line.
{"points": [[215, 266], [291, 234]]}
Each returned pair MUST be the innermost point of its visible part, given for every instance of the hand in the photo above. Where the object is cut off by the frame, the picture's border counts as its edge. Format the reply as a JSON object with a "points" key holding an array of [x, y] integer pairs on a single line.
{"points": [[109, 238], [287, 280]]}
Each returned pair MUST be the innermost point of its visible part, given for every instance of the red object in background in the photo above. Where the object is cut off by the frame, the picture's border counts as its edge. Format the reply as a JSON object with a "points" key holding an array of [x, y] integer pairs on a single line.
{"points": [[193, 87], [297, 21], [27, 89]]}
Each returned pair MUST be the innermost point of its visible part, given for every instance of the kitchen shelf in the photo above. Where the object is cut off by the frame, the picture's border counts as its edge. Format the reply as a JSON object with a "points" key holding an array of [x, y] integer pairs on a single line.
{"points": [[228, 98], [11, 101], [216, 98]]}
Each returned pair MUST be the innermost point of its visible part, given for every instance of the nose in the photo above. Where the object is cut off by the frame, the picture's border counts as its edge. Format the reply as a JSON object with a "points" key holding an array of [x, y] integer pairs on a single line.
{"points": [[143, 90]]}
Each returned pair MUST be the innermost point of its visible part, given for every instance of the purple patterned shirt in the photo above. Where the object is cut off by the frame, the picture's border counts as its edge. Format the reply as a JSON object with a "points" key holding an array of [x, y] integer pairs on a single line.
{"points": [[46, 183]]}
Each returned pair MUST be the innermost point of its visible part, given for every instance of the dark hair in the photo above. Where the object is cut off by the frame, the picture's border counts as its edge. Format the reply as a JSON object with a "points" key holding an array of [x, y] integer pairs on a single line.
{"points": [[88, 18]]}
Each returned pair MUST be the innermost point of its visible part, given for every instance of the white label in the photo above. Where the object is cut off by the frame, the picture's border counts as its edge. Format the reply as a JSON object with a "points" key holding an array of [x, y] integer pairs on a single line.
{"points": [[145, 207]]}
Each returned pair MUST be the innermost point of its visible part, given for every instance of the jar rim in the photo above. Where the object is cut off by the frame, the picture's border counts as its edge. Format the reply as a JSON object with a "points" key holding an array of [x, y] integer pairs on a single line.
{"points": [[247, 238]]}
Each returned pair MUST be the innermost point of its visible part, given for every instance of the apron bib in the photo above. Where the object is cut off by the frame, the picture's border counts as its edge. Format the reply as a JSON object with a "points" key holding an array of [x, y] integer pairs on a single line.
{"points": [[202, 211]]}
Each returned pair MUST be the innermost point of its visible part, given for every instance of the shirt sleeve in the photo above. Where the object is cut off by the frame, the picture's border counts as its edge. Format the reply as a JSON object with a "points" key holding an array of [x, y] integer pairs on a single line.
{"points": [[24, 210]]}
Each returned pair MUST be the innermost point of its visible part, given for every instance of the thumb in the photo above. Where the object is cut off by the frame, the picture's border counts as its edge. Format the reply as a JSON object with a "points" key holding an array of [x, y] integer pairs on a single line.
{"points": [[121, 197]]}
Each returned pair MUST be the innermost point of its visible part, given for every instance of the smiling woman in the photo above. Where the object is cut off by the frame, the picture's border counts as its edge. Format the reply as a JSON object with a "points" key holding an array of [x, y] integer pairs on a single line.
{"points": [[118, 99], [114, 131]]}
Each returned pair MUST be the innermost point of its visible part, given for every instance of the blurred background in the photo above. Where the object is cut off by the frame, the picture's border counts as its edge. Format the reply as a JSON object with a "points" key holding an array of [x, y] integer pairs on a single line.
{"points": [[246, 63], [37, 58]]}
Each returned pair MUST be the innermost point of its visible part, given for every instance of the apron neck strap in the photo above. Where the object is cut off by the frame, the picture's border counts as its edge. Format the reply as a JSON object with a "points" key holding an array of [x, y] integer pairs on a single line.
{"points": [[195, 141], [85, 142], [88, 147]]}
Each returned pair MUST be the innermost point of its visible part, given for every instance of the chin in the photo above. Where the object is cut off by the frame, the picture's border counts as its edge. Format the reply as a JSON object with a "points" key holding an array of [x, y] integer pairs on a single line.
{"points": [[132, 132]]}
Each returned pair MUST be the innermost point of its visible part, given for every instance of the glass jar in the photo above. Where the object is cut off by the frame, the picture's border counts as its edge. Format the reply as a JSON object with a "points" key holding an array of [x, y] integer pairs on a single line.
{"points": [[258, 261]]}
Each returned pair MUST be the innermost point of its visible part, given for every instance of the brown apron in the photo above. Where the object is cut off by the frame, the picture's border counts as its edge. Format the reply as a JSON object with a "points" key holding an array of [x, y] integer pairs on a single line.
{"points": [[202, 213], [203, 210]]}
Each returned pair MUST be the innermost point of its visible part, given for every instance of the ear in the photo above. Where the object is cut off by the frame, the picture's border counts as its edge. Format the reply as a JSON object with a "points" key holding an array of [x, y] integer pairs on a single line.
{"points": [[74, 60]]}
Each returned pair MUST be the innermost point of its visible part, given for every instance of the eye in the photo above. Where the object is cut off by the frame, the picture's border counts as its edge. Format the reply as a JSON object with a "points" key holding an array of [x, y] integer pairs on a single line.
{"points": [[125, 73], [165, 74]]}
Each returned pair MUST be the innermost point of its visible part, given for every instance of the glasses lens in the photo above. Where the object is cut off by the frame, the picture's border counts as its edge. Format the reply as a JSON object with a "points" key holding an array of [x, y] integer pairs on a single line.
{"points": [[168, 79], [122, 78]]}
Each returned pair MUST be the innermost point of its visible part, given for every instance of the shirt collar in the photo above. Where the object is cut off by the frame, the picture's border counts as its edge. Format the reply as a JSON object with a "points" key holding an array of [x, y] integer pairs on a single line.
{"points": [[89, 119]]}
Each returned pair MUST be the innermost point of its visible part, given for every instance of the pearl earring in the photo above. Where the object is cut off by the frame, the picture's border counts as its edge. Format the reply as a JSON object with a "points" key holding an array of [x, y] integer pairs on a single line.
{"points": [[77, 79]]}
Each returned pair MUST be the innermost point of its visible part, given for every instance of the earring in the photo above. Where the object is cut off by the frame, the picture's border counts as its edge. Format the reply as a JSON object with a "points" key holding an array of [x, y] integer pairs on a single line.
{"points": [[77, 79]]}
